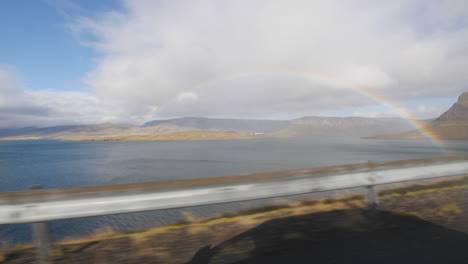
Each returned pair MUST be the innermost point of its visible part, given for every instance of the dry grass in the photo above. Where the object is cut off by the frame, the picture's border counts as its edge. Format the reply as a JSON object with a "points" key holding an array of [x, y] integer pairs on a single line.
{"points": [[451, 208], [248, 218], [102, 233], [420, 189], [5, 248]]}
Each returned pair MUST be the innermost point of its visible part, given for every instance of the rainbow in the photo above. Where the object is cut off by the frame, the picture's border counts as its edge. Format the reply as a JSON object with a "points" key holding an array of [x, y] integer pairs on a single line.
{"points": [[333, 82]]}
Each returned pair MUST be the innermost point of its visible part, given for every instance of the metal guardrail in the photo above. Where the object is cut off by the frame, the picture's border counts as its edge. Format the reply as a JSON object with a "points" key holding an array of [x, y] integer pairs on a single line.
{"points": [[17, 208], [40, 210]]}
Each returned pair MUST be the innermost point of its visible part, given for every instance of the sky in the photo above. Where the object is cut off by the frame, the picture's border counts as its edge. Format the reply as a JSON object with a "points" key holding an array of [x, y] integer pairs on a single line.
{"points": [[133, 61]]}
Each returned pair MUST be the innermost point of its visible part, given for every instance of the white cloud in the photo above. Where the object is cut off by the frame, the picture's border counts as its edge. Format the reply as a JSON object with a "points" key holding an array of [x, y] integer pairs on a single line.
{"points": [[265, 58], [20, 107], [14, 104], [187, 97], [157, 50], [428, 112]]}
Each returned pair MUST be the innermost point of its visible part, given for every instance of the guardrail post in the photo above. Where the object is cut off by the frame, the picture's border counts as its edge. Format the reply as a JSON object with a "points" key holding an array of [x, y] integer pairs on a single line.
{"points": [[41, 237], [372, 197]]}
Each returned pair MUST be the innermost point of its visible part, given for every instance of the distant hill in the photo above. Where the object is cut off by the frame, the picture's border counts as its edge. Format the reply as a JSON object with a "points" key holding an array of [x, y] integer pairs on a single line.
{"points": [[457, 113], [228, 128], [66, 132], [185, 135], [15, 131], [343, 126], [453, 124], [239, 125]]}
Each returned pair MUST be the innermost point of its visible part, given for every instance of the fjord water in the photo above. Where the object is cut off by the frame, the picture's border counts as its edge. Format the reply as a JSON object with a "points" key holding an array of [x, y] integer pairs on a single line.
{"points": [[57, 164]]}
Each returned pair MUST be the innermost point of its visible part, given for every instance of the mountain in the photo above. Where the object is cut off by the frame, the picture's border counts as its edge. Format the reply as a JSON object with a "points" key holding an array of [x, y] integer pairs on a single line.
{"points": [[204, 128], [15, 131], [453, 124], [302, 127], [66, 132], [343, 126], [185, 135], [457, 113], [238, 125]]}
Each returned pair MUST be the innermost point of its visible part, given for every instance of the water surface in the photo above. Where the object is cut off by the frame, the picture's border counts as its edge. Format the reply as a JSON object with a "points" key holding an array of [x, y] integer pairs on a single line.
{"points": [[55, 164]]}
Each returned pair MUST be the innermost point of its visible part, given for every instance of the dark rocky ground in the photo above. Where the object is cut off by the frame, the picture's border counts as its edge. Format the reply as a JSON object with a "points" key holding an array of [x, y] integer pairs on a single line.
{"points": [[342, 236]]}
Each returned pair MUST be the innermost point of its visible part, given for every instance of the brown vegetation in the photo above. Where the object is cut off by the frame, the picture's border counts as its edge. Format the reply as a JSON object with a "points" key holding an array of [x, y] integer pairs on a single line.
{"points": [[443, 203], [185, 135]]}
